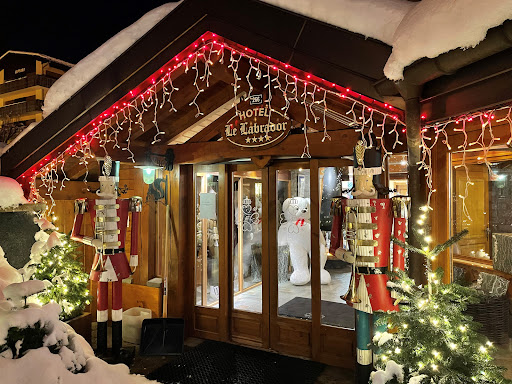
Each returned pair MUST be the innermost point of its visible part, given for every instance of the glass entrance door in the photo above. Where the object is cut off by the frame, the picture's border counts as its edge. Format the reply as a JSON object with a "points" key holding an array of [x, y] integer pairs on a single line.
{"points": [[249, 255], [247, 237], [283, 288]]}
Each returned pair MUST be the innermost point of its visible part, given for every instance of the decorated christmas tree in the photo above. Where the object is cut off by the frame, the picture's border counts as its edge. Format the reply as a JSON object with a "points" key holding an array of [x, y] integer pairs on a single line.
{"points": [[39, 252], [431, 340], [60, 264]]}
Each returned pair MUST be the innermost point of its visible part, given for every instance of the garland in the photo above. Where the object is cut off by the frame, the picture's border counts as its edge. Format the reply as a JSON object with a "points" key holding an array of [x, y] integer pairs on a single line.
{"points": [[291, 84], [433, 133]]}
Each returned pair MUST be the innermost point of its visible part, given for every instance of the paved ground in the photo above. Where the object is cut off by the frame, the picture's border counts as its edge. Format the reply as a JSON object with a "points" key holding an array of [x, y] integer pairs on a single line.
{"points": [[143, 365]]}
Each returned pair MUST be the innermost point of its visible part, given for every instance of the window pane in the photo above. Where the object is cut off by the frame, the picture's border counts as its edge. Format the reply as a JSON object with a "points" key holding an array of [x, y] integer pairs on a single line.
{"points": [[294, 243], [482, 204], [334, 274], [472, 213], [397, 169], [247, 240], [207, 239]]}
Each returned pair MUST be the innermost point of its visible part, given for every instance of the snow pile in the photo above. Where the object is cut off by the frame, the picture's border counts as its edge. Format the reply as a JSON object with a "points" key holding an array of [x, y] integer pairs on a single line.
{"points": [[393, 370], [382, 338], [61, 355], [417, 379], [44, 224], [17, 291], [78, 76], [376, 19], [8, 274], [44, 242], [42, 367], [433, 27], [47, 316], [11, 193]]}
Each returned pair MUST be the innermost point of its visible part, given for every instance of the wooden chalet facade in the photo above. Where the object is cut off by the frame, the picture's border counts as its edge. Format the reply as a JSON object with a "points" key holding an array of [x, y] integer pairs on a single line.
{"points": [[207, 161]]}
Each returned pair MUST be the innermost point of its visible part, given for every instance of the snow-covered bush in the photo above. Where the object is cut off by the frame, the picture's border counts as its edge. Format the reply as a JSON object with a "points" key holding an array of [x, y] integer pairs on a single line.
{"points": [[35, 346]]}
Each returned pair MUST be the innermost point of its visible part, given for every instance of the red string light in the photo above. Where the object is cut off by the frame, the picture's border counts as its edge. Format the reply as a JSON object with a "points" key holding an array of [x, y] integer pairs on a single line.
{"points": [[191, 51]]}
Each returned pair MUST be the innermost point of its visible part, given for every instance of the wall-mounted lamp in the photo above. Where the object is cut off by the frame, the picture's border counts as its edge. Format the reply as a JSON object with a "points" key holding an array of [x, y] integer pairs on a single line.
{"points": [[153, 162], [156, 161], [148, 173]]}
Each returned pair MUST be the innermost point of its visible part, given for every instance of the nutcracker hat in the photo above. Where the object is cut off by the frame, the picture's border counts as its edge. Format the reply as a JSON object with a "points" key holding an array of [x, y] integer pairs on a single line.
{"points": [[109, 175], [367, 157]]}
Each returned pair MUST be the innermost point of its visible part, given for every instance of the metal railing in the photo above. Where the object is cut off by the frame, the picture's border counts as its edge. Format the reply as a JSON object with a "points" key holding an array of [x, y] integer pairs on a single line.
{"points": [[19, 109], [30, 80]]}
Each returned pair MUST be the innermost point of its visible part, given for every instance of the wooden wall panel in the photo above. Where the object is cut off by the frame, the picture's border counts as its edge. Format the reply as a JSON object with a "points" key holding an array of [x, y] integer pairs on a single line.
{"points": [[133, 296], [440, 216], [206, 323], [293, 337], [247, 328], [337, 347]]}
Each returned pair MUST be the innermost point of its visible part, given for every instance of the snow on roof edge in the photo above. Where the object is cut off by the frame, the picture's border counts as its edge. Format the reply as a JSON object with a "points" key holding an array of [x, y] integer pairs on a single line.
{"points": [[434, 27], [353, 15], [27, 129], [59, 61], [90, 66]]}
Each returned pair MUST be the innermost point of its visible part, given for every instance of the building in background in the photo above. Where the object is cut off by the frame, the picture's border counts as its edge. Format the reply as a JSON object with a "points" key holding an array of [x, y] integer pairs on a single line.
{"points": [[25, 78]]}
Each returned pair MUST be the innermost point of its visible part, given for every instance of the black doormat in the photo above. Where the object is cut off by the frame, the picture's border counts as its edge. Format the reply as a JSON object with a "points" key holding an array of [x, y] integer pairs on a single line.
{"points": [[216, 362], [336, 314]]}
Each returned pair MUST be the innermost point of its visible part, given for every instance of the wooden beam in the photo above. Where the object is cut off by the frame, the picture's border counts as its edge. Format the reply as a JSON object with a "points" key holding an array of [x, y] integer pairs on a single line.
{"points": [[72, 190], [341, 144], [209, 100], [440, 202], [213, 130], [261, 161], [180, 99]]}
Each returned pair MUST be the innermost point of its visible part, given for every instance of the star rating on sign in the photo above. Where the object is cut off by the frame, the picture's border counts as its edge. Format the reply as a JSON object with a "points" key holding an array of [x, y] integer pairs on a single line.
{"points": [[258, 139]]}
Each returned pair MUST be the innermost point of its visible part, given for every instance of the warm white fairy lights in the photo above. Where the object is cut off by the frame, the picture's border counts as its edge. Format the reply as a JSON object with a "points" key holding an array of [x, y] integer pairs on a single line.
{"points": [[292, 85], [438, 132]]}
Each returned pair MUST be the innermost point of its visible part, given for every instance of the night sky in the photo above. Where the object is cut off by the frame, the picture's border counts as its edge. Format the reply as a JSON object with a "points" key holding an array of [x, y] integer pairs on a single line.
{"points": [[67, 30]]}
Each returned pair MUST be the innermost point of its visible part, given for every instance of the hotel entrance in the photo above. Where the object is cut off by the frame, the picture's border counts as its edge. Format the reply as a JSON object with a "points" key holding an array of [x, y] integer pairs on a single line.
{"points": [[263, 275]]}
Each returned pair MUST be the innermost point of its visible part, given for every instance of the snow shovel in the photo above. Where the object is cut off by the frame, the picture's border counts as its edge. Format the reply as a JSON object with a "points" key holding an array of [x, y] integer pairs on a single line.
{"points": [[162, 337]]}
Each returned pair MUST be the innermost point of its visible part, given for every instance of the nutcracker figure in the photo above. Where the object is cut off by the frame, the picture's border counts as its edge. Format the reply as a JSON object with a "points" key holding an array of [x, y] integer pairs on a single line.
{"points": [[367, 223], [109, 220]]}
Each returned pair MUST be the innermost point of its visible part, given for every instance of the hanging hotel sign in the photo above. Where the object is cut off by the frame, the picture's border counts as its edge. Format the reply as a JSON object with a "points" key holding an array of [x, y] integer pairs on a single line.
{"points": [[256, 125]]}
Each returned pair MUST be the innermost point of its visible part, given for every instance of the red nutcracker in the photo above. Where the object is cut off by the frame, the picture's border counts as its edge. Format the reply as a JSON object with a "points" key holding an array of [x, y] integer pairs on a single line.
{"points": [[109, 220], [368, 222]]}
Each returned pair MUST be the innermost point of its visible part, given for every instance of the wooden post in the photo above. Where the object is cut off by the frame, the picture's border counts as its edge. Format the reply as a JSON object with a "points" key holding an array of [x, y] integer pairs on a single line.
{"points": [[417, 190]]}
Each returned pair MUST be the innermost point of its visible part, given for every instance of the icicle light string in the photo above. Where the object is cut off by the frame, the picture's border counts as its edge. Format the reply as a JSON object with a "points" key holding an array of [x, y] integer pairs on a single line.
{"points": [[129, 115], [458, 124]]}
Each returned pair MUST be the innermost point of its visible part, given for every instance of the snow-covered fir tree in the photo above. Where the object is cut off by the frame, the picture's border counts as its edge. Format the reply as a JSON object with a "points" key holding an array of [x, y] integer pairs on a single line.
{"points": [[431, 339]]}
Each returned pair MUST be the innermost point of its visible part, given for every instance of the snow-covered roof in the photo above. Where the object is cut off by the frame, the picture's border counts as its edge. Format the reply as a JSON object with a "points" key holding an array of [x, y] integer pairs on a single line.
{"points": [[414, 30], [87, 68], [377, 19], [5, 148], [433, 27], [45, 57]]}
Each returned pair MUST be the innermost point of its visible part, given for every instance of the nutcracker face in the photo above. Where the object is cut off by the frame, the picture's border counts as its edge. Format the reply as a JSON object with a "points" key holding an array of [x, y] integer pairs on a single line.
{"points": [[107, 187], [364, 188]]}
